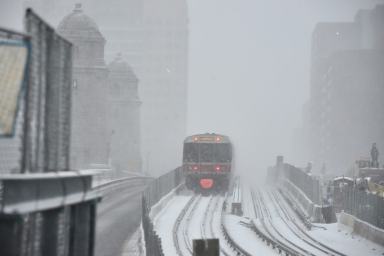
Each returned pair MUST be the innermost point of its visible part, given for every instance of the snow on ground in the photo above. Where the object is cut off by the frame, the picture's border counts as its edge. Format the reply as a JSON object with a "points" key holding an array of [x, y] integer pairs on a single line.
{"points": [[247, 205], [340, 237], [165, 220], [245, 237], [195, 225], [215, 228], [283, 227], [336, 236]]}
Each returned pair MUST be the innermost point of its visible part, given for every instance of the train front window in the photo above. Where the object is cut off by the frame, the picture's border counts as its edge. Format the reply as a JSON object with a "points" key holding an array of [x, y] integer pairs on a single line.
{"points": [[223, 153], [191, 152], [206, 152]]}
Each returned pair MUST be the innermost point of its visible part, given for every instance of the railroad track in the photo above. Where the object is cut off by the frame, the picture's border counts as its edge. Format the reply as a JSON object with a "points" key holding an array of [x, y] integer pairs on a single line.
{"points": [[193, 201], [212, 215], [307, 245], [270, 233], [295, 227], [235, 248], [207, 217]]}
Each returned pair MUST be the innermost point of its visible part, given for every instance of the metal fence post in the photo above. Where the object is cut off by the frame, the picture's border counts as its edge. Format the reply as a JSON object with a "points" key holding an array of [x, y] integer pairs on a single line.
{"points": [[82, 231]]}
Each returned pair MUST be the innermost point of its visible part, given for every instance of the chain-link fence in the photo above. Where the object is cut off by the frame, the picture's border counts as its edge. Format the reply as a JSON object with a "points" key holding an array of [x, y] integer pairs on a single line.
{"points": [[307, 183], [42, 131], [14, 52], [38, 141], [162, 186], [156, 190], [363, 205], [48, 99]]}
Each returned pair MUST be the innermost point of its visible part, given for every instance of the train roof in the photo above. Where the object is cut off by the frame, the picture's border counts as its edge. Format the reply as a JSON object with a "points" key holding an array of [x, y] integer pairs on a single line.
{"points": [[207, 138]]}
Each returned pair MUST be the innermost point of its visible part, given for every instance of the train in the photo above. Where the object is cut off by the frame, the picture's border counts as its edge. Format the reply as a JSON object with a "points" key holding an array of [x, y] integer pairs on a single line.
{"points": [[207, 162]]}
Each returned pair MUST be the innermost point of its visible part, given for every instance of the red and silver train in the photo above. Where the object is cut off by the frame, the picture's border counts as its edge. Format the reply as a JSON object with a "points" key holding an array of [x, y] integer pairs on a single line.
{"points": [[207, 162]]}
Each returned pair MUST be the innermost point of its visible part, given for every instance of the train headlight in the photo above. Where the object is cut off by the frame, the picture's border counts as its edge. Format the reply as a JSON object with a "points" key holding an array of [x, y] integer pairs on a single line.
{"points": [[195, 168], [217, 168]]}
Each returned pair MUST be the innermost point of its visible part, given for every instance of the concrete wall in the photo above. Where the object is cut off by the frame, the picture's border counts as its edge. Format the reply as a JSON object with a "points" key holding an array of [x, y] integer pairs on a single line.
{"points": [[362, 228], [298, 198]]}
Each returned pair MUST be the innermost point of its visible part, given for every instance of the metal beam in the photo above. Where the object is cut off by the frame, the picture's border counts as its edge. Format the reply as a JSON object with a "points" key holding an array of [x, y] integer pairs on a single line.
{"points": [[28, 193]]}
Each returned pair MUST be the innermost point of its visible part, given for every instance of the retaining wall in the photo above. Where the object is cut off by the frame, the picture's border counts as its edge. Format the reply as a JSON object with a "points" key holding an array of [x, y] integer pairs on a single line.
{"points": [[362, 228], [300, 200]]}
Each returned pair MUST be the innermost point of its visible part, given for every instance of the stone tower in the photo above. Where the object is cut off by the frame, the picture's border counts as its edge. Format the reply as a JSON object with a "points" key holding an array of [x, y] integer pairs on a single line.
{"points": [[124, 117], [90, 137]]}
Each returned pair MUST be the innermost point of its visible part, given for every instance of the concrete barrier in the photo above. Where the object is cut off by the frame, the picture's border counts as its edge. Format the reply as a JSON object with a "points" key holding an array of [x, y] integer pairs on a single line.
{"points": [[362, 228], [300, 200]]}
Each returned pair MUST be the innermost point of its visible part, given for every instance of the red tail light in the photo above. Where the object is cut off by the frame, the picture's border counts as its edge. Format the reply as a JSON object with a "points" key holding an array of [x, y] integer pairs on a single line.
{"points": [[206, 183]]}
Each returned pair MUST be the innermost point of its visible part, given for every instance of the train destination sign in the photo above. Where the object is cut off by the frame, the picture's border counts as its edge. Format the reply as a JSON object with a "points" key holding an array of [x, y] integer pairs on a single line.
{"points": [[13, 60]]}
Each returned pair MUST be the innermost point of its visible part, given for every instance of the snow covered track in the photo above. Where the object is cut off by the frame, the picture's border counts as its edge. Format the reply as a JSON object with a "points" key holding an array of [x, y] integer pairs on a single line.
{"points": [[212, 224], [232, 243], [286, 215], [269, 232], [201, 217], [280, 228], [206, 219], [177, 224], [267, 214]]}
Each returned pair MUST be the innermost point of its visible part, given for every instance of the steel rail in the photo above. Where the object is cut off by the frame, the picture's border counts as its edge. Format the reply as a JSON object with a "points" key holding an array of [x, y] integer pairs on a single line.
{"points": [[205, 219], [231, 242], [305, 251], [277, 207], [188, 221], [176, 226], [331, 251], [270, 238], [211, 225]]}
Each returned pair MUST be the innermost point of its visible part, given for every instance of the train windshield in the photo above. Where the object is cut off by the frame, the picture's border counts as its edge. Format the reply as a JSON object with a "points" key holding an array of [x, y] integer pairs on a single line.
{"points": [[207, 152], [191, 152], [223, 153]]}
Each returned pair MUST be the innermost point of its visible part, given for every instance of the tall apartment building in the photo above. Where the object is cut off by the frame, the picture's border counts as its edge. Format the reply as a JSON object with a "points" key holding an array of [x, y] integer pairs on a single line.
{"points": [[153, 37], [345, 90]]}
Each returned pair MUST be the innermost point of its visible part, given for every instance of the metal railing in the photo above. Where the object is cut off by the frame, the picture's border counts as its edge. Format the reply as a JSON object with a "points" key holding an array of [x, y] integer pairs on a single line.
{"points": [[156, 190], [364, 205], [47, 214], [47, 125]]}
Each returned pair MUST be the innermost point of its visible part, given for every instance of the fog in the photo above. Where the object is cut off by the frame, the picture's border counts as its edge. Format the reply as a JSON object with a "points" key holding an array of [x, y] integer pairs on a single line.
{"points": [[250, 71]]}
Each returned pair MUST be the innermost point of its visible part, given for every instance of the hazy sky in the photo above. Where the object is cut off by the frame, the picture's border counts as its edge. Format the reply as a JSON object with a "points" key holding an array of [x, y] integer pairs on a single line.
{"points": [[249, 69]]}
